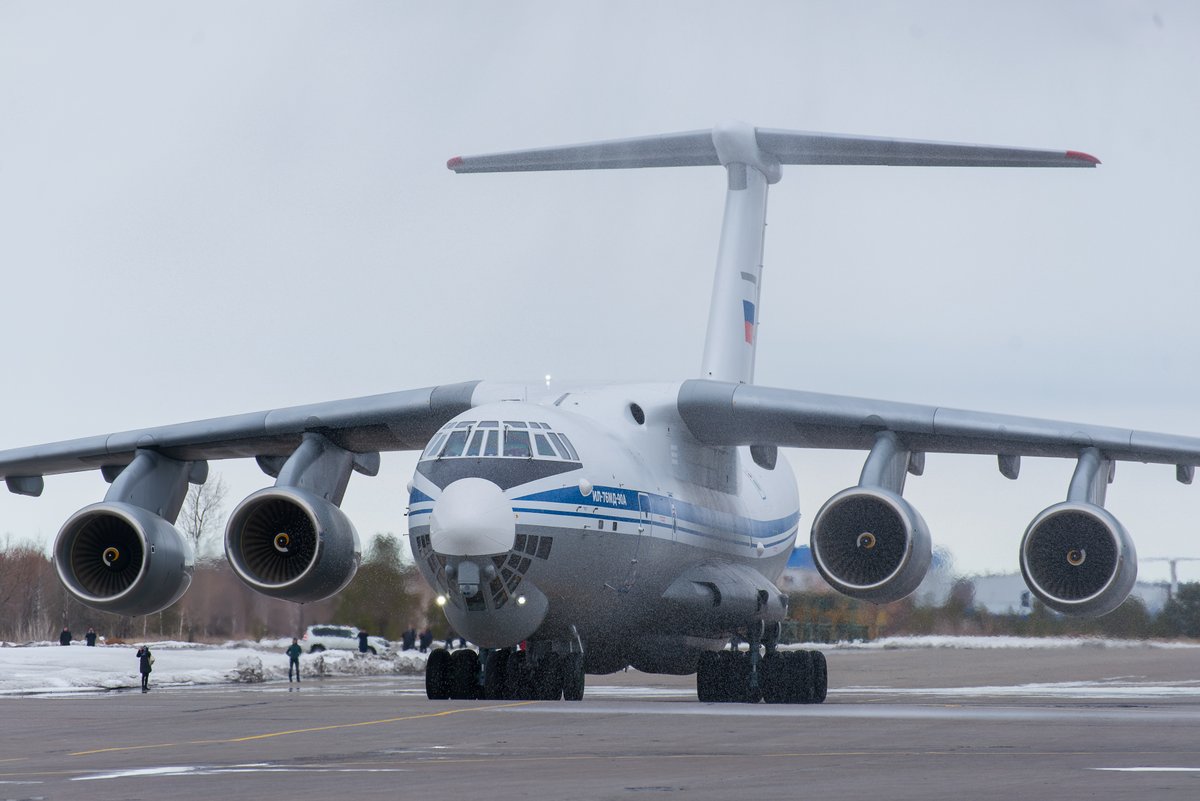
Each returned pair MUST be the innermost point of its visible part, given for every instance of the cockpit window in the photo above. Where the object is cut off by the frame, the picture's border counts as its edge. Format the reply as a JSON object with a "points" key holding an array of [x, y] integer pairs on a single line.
{"points": [[483, 438], [516, 443], [433, 446], [456, 443], [543, 445], [570, 447], [564, 446]]}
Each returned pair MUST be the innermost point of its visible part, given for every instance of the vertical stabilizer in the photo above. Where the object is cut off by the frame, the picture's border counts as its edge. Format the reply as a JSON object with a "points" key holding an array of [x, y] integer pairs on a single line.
{"points": [[751, 158], [733, 315]]}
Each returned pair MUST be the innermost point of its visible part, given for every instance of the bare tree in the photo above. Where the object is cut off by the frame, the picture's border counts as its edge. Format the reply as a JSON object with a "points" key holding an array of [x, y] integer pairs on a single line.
{"points": [[200, 517], [199, 520]]}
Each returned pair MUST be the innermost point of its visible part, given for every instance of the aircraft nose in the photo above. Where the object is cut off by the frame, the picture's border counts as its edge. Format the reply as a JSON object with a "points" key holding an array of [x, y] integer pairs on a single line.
{"points": [[472, 518]]}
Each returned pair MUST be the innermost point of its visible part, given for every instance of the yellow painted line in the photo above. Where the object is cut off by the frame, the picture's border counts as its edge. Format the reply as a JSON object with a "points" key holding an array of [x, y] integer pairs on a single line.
{"points": [[308, 730], [443, 713]]}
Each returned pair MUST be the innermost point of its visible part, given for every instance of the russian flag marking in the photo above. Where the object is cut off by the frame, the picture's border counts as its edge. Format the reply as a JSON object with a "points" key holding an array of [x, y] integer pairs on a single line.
{"points": [[748, 311]]}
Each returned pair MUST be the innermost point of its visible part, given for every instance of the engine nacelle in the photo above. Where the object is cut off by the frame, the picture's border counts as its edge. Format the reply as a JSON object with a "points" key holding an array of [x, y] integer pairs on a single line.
{"points": [[121, 558], [1078, 559], [870, 544], [290, 544]]}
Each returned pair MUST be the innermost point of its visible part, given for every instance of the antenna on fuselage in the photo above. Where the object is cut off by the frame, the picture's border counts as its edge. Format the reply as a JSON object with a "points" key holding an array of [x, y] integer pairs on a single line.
{"points": [[752, 158]]}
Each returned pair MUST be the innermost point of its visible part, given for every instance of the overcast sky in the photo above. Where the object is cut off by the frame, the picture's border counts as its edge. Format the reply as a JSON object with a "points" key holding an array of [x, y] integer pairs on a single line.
{"points": [[211, 208]]}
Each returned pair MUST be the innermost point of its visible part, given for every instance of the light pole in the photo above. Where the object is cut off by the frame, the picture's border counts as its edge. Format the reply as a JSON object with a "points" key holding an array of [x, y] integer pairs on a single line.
{"points": [[1173, 561]]}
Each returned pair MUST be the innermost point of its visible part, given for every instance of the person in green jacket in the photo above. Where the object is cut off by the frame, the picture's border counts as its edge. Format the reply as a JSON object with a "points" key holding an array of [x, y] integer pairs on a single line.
{"points": [[293, 653]]}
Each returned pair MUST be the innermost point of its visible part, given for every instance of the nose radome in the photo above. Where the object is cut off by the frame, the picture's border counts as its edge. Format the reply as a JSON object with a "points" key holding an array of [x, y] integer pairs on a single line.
{"points": [[472, 518]]}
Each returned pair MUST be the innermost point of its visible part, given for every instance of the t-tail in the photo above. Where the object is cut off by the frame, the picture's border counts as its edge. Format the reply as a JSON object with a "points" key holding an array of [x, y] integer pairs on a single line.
{"points": [[752, 158]]}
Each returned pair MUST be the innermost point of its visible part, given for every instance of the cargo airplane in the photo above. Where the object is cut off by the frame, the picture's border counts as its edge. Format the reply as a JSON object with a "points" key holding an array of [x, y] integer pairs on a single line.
{"points": [[583, 529]]}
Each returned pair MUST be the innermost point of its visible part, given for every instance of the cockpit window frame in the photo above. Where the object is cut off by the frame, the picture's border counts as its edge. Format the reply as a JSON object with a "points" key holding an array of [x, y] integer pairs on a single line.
{"points": [[516, 435], [543, 446], [476, 439], [450, 442]]}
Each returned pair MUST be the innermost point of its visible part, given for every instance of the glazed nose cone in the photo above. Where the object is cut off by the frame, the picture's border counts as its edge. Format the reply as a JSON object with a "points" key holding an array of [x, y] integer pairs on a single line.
{"points": [[472, 518]]}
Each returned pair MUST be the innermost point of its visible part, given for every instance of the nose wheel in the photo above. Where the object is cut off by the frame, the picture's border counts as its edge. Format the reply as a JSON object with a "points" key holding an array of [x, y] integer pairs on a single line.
{"points": [[505, 674]]}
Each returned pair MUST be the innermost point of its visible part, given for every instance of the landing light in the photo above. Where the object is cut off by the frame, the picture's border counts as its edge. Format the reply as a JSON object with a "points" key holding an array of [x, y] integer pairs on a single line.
{"points": [[520, 600], [441, 600]]}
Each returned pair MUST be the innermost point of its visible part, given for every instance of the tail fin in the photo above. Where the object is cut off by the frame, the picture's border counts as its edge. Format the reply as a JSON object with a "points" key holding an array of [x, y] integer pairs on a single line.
{"points": [[753, 158]]}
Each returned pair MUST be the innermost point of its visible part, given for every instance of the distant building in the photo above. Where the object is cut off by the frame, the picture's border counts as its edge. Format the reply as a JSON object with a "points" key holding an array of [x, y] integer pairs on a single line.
{"points": [[801, 575], [1007, 594], [1004, 594]]}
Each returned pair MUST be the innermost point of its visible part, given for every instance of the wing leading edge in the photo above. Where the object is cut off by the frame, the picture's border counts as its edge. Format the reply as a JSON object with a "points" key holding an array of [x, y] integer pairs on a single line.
{"points": [[700, 148], [393, 421], [720, 413]]}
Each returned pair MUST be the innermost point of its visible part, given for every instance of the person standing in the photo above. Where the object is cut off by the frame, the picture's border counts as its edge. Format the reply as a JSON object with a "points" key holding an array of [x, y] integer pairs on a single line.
{"points": [[293, 654], [409, 638], [145, 665], [362, 641], [90, 637], [426, 639], [65, 637]]}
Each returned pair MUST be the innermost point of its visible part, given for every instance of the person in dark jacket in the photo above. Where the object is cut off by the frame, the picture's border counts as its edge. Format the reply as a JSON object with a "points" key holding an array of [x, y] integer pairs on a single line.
{"points": [[293, 654], [90, 637], [362, 642], [426, 639], [408, 639], [145, 663], [65, 637]]}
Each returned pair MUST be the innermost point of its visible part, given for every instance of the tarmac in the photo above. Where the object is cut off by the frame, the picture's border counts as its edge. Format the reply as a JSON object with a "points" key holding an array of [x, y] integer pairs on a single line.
{"points": [[930, 723]]}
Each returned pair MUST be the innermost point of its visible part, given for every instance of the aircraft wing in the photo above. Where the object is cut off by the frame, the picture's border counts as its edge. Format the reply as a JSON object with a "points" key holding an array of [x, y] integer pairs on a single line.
{"points": [[393, 421], [720, 413]]}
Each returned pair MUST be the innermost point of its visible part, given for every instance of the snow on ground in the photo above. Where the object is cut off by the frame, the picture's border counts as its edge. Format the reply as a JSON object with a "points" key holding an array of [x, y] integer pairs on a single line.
{"points": [[40, 668], [986, 643], [52, 668]]}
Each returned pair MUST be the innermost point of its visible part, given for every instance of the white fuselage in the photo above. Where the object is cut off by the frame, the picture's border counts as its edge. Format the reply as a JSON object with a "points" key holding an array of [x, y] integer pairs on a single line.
{"points": [[601, 532]]}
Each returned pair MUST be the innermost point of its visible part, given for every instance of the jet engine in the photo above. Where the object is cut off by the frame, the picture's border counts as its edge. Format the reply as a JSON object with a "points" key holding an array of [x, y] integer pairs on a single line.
{"points": [[1078, 559], [121, 558], [871, 544], [291, 544]]}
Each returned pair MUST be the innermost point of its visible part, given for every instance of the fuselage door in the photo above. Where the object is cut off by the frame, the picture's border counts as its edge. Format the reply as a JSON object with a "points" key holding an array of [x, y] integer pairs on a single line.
{"points": [[645, 522]]}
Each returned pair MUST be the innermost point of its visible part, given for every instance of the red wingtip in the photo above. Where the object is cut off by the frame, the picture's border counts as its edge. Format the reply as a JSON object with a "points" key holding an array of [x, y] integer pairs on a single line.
{"points": [[1075, 154], [454, 162]]}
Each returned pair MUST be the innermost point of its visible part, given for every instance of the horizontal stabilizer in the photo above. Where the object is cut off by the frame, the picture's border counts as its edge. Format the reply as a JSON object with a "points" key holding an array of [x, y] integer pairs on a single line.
{"points": [[698, 148]]}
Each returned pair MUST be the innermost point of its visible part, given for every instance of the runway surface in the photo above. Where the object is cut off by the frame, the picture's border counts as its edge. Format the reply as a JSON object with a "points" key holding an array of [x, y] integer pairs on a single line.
{"points": [[927, 724]]}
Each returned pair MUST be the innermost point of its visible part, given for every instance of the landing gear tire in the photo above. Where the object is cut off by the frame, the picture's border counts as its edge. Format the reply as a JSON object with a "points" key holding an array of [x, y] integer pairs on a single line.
{"points": [[548, 678], [820, 673], [436, 670], [733, 679], [772, 678], [708, 677], [516, 688], [573, 677], [494, 674], [463, 675], [800, 678], [723, 685]]}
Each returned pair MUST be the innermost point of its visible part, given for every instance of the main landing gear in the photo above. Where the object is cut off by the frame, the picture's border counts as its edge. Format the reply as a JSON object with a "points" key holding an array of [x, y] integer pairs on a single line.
{"points": [[777, 677], [507, 674]]}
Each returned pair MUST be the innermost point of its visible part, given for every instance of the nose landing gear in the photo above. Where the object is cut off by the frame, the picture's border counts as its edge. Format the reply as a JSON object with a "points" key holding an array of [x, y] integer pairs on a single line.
{"points": [[537, 674]]}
